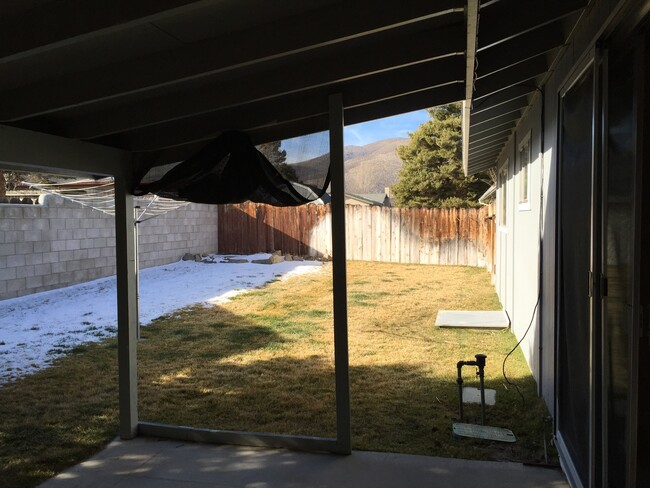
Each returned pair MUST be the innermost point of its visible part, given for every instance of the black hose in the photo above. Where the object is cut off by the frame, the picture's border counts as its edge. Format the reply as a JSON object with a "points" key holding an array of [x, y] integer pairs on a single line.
{"points": [[503, 366]]}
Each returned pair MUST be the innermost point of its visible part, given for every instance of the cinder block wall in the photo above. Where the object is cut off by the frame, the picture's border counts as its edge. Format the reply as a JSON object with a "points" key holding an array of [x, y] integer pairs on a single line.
{"points": [[164, 239], [60, 243]]}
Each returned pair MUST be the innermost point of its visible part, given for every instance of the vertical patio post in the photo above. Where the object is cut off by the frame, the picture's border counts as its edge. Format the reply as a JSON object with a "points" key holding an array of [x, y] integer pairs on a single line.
{"points": [[126, 307], [341, 356]]}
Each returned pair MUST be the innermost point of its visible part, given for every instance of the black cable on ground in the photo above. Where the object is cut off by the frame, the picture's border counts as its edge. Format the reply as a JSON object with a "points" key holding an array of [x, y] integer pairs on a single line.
{"points": [[541, 225], [503, 366]]}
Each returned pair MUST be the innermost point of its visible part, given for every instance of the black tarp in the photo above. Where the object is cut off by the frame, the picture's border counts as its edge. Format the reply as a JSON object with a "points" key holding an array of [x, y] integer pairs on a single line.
{"points": [[231, 170]]}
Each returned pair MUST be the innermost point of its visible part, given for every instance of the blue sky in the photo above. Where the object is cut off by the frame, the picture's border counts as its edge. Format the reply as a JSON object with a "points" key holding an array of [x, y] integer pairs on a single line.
{"points": [[376, 130], [302, 148]]}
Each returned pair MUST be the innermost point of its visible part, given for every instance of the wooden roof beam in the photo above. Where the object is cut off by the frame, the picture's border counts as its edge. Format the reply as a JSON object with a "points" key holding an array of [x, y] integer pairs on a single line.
{"points": [[511, 110], [517, 75], [471, 22], [497, 139], [288, 37], [506, 19], [489, 156], [521, 48], [263, 115], [485, 152], [482, 166], [56, 24], [33, 151], [237, 93], [426, 98], [512, 106], [501, 97], [477, 135], [316, 123]]}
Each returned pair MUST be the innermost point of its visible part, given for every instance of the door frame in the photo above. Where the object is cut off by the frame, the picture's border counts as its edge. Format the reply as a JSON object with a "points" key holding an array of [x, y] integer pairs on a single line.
{"points": [[587, 62]]}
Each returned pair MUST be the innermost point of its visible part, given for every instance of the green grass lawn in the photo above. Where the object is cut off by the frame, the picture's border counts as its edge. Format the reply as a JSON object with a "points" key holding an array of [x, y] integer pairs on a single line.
{"points": [[264, 362]]}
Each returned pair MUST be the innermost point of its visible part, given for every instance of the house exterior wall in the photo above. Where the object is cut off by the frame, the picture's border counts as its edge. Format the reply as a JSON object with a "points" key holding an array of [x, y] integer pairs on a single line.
{"points": [[595, 23], [518, 240], [518, 243], [505, 233], [546, 373], [60, 243], [519, 246]]}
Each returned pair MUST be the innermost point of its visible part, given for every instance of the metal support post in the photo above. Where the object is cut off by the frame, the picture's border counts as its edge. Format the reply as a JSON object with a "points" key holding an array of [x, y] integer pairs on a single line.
{"points": [[341, 356], [126, 307]]}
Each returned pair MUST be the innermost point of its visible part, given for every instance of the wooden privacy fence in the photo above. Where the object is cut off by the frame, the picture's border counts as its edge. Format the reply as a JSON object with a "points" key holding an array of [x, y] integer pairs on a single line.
{"points": [[398, 235], [254, 227]]}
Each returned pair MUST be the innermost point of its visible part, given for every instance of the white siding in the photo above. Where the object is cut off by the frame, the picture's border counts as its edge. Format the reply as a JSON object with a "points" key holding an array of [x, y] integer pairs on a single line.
{"points": [[518, 244]]}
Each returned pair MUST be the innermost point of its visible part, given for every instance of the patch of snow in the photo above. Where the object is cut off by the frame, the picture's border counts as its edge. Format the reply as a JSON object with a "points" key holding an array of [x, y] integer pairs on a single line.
{"points": [[38, 328]]}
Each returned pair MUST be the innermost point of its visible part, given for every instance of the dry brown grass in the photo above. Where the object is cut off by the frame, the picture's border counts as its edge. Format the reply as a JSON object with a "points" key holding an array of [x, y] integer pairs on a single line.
{"points": [[264, 362], [59, 416]]}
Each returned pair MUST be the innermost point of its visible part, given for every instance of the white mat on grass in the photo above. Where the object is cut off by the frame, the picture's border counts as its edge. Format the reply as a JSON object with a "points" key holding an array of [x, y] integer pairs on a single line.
{"points": [[486, 319]]}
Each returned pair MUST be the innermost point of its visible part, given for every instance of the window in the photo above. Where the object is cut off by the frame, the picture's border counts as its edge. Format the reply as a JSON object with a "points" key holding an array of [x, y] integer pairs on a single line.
{"points": [[523, 177], [503, 203]]}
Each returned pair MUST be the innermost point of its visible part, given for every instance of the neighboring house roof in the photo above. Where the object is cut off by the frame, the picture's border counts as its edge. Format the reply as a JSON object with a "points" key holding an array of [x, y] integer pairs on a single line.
{"points": [[324, 199], [370, 198], [308, 192], [488, 195]]}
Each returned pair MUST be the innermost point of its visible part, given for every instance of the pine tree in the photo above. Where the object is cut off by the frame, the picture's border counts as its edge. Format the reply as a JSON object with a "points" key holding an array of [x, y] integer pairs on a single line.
{"points": [[277, 157], [432, 174]]}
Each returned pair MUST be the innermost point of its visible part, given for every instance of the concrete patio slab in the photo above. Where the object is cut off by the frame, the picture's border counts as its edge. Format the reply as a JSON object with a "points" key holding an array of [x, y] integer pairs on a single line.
{"points": [[480, 319], [147, 462]]}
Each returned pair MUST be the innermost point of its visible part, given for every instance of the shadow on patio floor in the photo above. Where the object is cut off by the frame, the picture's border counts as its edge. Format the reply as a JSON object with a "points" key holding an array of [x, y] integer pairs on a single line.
{"points": [[147, 462]]}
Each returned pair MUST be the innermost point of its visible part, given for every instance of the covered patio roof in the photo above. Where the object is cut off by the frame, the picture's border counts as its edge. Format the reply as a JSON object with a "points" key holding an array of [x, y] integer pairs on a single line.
{"points": [[159, 79], [112, 88]]}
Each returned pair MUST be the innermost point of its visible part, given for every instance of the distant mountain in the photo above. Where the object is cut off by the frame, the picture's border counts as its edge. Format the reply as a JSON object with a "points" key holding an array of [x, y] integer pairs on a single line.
{"points": [[368, 169], [373, 167]]}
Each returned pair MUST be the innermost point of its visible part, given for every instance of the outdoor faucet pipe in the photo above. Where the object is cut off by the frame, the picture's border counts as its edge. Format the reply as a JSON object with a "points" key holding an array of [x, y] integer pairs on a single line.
{"points": [[480, 364]]}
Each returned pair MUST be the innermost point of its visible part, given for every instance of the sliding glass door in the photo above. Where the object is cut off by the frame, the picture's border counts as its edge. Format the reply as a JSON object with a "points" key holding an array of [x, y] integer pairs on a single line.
{"points": [[574, 330]]}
